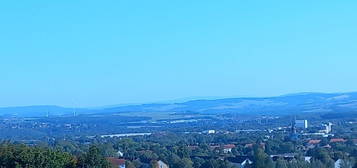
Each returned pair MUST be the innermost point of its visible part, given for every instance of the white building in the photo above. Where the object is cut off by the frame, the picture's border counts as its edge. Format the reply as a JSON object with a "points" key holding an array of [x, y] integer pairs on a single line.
{"points": [[301, 124], [343, 163], [228, 148], [120, 154], [209, 132], [328, 127], [161, 164]]}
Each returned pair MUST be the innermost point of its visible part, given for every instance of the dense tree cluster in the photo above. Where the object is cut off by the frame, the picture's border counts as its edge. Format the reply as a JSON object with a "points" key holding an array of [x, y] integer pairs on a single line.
{"points": [[180, 151], [22, 156]]}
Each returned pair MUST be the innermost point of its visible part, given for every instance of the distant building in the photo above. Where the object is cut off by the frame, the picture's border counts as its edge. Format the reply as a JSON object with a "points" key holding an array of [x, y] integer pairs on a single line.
{"points": [[117, 163], [262, 145], [328, 128], [328, 146], [248, 145], [286, 156], [307, 159], [209, 132], [301, 124], [120, 154], [314, 142], [334, 140], [343, 163], [241, 161], [228, 148], [161, 164]]}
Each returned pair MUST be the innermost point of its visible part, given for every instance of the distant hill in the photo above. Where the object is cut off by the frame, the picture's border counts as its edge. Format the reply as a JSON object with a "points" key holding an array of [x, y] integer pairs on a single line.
{"points": [[37, 111], [286, 104]]}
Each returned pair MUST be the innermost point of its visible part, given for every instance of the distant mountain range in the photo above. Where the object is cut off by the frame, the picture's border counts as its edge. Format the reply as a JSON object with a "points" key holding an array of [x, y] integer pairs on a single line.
{"points": [[286, 104], [38, 111]]}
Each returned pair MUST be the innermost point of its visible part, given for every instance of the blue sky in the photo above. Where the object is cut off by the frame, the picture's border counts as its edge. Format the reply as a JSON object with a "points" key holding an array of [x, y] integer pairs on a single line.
{"points": [[91, 53]]}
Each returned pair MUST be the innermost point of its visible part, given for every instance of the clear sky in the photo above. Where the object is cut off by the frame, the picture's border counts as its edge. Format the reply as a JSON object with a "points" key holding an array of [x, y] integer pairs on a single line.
{"points": [[93, 53]]}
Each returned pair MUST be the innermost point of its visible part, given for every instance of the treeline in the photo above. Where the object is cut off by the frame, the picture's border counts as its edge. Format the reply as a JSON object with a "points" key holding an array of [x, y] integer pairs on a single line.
{"points": [[180, 156], [22, 156], [320, 158], [179, 151]]}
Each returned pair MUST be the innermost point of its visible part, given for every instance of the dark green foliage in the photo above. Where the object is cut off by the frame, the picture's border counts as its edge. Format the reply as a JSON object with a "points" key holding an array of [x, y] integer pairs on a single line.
{"points": [[180, 150], [93, 159], [261, 159], [16, 156], [216, 164], [13, 156]]}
